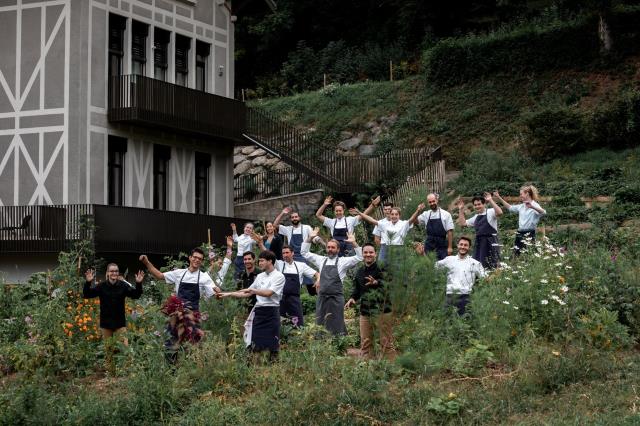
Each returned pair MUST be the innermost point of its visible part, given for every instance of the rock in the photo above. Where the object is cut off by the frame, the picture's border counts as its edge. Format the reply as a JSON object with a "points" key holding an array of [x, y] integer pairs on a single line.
{"points": [[237, 149], [281, 166], [248, 150], [270, 162], [255, 170], [345, 134], [366, 149], [350, 144], [370, 124], [237, 159], [242, 168], [259, 161], [376, 131], [257, 153]]}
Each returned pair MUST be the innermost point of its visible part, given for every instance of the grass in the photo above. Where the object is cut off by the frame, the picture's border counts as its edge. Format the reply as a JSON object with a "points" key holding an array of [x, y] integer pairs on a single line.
{"points": [[483, 113]]}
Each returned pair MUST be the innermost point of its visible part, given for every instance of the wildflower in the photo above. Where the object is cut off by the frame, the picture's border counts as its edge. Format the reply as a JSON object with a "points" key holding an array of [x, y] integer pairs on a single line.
{"points": [[506, 302], [568, 267], [28, 320], [556, 353], [564, 289], [543, 281], [537, 254], [558, 264], [544, 302], [204, 316], [561, 279], [516, 308]]}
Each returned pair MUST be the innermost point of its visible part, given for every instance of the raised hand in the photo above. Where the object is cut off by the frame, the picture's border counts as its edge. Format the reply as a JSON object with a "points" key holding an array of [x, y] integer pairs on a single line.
{"points": [[139, 276], [143, 258], [233, 227], [376, 201], [370, 281], [89, 274], [487, 196], [314, 232], [328, 200], [420, 207], [349, 303], [256, 237], [229, 241], [286, 210], [351, 237], [354, 211], [496, 194], [460, 204]]}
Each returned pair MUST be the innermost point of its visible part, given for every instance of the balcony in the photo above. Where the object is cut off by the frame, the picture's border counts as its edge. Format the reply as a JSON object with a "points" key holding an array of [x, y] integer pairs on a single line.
{"points": [[50, 229], [145, 101]]}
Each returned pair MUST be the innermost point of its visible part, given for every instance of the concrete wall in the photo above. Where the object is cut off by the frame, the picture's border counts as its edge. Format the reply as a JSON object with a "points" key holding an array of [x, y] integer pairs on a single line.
{"points": [[16, 269], [306, 203]]}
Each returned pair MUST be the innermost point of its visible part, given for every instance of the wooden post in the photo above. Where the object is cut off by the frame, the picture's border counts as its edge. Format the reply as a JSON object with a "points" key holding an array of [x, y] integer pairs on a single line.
{"points": [[242, 92], [324, 80], [391, 70], [209, 236]]}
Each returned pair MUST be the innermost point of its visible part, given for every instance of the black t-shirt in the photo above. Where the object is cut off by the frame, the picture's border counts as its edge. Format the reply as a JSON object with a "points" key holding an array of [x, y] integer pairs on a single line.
{"points": [[112, 298], [245, 281], [374, 299]]}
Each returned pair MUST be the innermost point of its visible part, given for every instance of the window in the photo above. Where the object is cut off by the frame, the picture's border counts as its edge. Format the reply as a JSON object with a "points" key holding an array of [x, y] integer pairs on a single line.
{"points": [[117, 25], [203, 162], [139, 33], [202, 54], [183, 44], [115, 170], [160, 53], [161, 157]]}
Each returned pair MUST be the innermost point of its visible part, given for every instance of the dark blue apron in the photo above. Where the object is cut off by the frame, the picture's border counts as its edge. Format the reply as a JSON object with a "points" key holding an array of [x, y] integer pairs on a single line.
{"points": [[436, 237], [487, 250], [189, 293], [340, 235], [239, 263], [295, 242], [265, 330], [330, 302], [290, 304]]}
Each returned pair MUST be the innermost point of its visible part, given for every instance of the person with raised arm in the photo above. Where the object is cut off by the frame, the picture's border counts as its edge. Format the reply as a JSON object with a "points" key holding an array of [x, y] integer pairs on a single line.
{"points": [[439, 228], [371, 292], [262, 328], [529, 214], [377, 233], [462, 272], [245, 242], [183, 307], [219, 265], [333, 269], [341, 225], [295, 235], [294, 273], [485, 223]]}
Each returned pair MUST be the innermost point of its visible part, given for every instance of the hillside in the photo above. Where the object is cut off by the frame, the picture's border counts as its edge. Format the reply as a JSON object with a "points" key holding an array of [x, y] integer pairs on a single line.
{"points": [[490, 112]]}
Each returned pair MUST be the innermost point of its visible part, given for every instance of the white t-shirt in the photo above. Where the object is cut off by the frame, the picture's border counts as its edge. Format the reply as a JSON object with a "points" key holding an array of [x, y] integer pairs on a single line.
{"points": [[344, 263], [528, 218], [219, 278], [304, 270], [491, 218], [245, 243], [273, 281], [461, 273], [348, 222], [376, 229], [205, 281], [393, 234], [443, 215], [289, 231]]}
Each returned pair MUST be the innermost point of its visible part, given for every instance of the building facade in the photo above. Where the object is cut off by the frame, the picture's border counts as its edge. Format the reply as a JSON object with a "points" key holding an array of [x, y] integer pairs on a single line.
{"points": [[97, 100]]}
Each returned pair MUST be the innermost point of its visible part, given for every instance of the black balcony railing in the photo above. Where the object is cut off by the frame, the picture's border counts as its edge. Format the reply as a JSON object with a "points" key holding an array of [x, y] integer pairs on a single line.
{"points": [[151, 102], [115, 229]]}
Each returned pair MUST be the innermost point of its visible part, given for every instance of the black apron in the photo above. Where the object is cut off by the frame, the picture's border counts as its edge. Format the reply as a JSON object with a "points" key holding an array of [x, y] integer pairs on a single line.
{"points": [[189, 293], [436, 237], [290, 304], [340, 235], [487, 250], [295, 242], [265, 330], [330, 302]]}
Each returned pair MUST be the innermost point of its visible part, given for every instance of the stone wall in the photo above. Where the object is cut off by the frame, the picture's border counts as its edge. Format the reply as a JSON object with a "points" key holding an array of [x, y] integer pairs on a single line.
{"points": [[306, 203]]}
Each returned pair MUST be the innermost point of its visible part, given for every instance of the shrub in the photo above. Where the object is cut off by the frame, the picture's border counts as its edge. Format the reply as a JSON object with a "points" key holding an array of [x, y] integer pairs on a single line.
{"points": [[554, 132]]}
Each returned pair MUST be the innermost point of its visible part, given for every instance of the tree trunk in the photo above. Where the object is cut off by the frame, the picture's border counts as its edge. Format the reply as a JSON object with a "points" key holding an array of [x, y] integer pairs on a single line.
{"points": [[604, 34]]}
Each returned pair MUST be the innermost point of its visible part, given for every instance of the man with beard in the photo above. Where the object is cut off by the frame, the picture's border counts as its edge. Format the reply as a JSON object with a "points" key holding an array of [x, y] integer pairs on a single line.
{"points": [[296, 234], [462, 272], [247, 277], [439, 226], [333, 270], [294, 272]]}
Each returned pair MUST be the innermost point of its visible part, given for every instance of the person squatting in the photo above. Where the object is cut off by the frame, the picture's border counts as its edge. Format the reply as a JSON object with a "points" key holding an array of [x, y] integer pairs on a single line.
{"points": [[287, 263]]}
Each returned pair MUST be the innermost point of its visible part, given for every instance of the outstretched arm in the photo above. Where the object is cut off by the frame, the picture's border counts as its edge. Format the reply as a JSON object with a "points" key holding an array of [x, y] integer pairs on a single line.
{"points": [[504, 203], [462, 221], [152, 269], [276, 221], [322, 208], [489, 199], [372, 206], [414, 217], [365, 216]]}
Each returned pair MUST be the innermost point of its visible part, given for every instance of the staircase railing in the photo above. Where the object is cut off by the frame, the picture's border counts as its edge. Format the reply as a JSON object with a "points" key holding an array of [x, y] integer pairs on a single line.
{"points": [[340, 173]]}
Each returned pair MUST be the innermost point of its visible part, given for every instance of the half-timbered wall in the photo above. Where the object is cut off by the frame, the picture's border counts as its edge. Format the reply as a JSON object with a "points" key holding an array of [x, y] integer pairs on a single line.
{"points": [[53, 102]]}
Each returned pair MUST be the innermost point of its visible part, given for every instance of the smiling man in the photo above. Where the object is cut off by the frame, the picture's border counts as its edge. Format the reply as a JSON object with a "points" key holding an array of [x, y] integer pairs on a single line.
{"points": [[462, 272]]}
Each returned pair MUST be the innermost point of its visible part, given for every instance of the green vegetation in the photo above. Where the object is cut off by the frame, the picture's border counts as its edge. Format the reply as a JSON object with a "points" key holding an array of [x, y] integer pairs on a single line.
{"points": [[549, 339]]}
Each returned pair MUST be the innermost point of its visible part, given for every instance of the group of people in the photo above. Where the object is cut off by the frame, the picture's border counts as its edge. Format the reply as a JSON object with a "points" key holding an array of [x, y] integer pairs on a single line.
{"points": [[287, 265]]}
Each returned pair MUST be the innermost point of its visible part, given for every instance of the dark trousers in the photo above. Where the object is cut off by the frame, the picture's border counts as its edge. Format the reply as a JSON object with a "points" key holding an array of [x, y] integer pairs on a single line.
{"points": [[459, 301], [521, 237]]}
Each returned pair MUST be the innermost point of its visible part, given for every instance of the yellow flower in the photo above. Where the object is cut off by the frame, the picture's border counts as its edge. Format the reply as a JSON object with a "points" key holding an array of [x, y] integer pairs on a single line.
{"points": [[556, 353]]}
